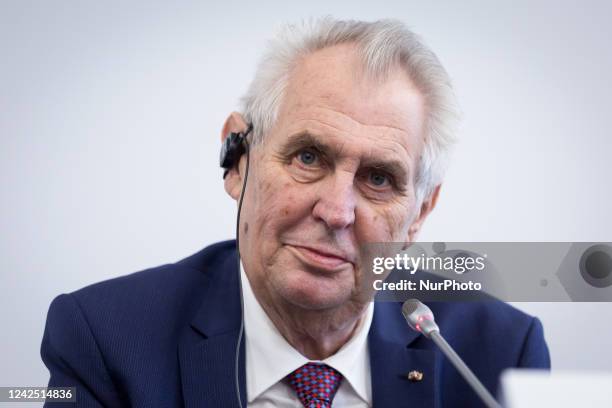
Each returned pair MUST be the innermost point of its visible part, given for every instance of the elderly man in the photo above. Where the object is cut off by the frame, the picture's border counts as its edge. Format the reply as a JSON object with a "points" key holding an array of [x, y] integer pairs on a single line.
{"points": [[342, 141]]}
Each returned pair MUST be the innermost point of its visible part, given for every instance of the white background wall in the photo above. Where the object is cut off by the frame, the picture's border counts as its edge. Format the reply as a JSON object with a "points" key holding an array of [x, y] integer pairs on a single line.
{"points": [[110, 117]]}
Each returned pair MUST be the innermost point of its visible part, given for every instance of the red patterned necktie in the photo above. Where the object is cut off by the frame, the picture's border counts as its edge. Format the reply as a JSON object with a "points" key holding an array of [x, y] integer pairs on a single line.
{"points": [[315, 384]]}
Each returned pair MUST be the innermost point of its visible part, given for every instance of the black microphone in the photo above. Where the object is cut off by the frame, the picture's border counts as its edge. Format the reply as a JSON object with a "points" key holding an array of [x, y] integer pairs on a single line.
{"points": [[421, 319]]}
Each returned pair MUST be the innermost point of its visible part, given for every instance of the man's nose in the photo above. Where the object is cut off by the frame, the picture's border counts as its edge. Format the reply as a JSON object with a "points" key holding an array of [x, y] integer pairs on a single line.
{"points": [[336, 201]]}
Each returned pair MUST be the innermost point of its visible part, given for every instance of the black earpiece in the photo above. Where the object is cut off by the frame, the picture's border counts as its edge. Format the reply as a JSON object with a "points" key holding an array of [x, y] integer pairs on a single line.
{"points": [[234, 146]]}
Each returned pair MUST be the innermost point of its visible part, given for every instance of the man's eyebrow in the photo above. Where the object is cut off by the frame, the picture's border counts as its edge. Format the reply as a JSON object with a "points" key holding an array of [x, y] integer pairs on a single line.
{"points": [[304, 139]]}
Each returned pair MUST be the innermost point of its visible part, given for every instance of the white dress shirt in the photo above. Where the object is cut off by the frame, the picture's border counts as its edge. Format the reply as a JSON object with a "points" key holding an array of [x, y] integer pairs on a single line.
{"points": [[270, 358]]}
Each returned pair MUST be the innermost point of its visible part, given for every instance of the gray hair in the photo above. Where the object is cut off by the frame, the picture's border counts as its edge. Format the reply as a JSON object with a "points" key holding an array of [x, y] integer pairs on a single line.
{"points": [[383, 45]]}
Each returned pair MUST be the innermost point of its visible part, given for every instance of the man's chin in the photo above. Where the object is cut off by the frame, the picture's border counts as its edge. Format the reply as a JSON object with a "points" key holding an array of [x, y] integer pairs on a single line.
{"points": [[315, 292]]}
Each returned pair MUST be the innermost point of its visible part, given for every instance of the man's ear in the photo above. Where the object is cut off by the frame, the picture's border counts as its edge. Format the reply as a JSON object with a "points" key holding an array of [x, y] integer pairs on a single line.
{"points": [[426, 207], [233, 181]]}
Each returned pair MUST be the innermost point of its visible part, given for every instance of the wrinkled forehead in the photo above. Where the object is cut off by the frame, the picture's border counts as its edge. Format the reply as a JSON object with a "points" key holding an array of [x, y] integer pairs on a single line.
{"points": [[336, 76]]}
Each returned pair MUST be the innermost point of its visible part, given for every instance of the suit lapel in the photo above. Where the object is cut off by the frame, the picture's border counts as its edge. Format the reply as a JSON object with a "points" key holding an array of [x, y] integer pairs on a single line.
{"points": [[391, 360], [207, 348]]}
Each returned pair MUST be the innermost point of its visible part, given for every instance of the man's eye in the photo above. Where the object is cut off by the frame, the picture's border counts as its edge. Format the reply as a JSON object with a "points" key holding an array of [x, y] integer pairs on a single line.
{"points": [[378, 179], [307, 157]]}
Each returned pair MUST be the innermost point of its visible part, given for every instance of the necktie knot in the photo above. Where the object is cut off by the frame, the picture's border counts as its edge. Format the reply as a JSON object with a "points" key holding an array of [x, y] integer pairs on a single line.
{"points": [[315, 384]]}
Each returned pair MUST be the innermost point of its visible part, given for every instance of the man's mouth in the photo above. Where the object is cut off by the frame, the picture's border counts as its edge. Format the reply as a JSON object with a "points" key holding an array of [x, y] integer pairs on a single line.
{"points": [[319, 258]]}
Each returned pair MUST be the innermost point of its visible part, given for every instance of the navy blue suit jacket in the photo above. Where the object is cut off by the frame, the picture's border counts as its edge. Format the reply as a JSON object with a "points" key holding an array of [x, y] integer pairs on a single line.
{"points": [[166, 337]]}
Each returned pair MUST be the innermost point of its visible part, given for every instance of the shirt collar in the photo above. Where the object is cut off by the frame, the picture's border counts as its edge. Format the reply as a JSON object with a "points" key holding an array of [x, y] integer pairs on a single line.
{"points": [[270, 358]]}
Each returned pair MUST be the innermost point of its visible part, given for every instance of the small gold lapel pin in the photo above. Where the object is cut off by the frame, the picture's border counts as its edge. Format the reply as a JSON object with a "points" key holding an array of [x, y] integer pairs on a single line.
{"points": [[415, 376]]}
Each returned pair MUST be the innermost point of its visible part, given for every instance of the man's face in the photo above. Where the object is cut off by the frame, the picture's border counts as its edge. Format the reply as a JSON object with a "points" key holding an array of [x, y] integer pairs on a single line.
{"points": [[337, 171]]}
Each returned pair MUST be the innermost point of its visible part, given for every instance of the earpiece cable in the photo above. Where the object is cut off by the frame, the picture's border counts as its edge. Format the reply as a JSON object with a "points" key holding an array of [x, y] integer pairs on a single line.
{"points": [[241, 331]]}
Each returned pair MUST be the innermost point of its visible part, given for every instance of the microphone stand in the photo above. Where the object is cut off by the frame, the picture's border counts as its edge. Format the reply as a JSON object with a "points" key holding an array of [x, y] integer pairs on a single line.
{"points": [[464, 370]]}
